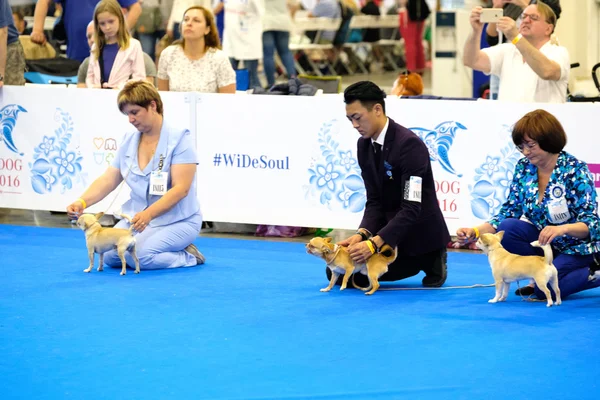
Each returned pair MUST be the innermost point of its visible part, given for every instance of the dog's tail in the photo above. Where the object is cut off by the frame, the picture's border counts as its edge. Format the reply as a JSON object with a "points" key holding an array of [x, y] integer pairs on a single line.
{"points": [[388, 253], [128, 218], [548, 256]]}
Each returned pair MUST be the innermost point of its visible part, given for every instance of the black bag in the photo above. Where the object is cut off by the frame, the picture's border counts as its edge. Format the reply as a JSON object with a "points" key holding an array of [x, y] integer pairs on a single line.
{"points": [[58, 66], [418, 10], [342, 33]]}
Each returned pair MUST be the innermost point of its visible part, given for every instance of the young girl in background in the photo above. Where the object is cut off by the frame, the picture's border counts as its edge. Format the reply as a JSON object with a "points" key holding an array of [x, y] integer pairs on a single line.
{"points": [[116, 57]]}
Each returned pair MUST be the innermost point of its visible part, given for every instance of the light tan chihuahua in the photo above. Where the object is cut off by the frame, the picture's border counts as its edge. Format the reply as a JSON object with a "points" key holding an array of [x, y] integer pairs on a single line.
{"points": [[339, 262], [508, 267], [100, 240]]}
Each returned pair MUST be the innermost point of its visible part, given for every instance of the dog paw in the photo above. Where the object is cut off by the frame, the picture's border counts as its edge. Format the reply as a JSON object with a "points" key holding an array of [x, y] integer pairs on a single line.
{"points": [[342, 288], [492, 301], [100, 269], [136, 272], [122, 273], [87, 270], [325, 289]]}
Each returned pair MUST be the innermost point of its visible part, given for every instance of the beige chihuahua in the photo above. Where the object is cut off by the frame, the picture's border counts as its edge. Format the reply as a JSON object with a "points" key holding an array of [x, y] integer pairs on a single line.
{"points": [[339, 262], [100, 240], [508, 267]]}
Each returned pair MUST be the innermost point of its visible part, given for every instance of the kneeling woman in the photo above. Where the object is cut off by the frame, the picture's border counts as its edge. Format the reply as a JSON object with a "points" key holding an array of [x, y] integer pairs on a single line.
{"points": [[158, 163]]}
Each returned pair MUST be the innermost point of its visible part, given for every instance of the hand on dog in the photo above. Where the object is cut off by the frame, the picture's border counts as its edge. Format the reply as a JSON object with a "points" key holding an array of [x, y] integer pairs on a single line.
{"points": [[350, 241], [359, 252], [141, 220], [465, 235], [548, 234], [74, 210]]}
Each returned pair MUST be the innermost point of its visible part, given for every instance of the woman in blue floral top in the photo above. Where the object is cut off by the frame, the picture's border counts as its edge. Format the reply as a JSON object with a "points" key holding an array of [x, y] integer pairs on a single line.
{"points": [[551, 199]]}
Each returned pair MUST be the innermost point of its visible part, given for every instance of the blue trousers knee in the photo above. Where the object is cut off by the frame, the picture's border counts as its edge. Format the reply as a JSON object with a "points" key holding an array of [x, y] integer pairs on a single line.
{"points": [[573, 269], [161, 247]]}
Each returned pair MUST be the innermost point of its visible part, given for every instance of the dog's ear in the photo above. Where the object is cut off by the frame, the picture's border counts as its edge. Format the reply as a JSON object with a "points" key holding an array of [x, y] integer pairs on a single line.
{"points": [[327, 240], [99, 215], [500, 235]]}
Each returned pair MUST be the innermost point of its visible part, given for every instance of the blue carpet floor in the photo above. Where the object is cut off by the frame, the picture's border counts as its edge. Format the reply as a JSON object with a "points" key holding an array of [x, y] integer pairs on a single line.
{"points": [[252, 324]]}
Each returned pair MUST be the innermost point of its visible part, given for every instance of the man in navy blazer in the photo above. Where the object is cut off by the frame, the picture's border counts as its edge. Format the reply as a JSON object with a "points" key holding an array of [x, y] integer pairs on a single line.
{"points": [[402, 209]]}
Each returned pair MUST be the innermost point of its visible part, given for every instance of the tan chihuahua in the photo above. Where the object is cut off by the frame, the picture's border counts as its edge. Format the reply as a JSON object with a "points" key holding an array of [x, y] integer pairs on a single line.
{"points": [[100, 240], [508, 267], [339, 262]]}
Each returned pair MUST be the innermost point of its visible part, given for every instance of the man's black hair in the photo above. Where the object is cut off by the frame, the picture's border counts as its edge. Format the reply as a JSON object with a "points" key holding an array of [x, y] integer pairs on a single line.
{"points": [[367, 93]]}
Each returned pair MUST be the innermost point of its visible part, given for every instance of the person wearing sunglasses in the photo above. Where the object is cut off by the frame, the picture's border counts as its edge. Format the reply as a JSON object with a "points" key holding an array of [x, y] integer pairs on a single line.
{"points": [[552, 199], [531, 67]]}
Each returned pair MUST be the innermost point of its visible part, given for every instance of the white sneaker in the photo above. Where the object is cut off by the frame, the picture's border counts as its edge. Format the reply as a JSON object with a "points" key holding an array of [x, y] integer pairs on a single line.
{"points": [[193, 250]]}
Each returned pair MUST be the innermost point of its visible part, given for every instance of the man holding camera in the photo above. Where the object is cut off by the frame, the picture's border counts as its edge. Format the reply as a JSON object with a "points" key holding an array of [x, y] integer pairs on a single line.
{"points": [[531, 68]]}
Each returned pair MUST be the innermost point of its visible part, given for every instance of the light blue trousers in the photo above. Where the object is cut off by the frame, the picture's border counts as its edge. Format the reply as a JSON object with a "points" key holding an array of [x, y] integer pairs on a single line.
{"points": [[161, 247]]}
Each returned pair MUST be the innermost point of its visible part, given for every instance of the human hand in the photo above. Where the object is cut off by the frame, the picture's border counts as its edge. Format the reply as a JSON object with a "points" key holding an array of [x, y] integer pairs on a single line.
{"points": [[170, 33], [498, 3], [350, 241], [465, 235], [548, 234], [360, 252], [74, 210], [508, 27], [38, 37], [475, 17], [141, 220]]}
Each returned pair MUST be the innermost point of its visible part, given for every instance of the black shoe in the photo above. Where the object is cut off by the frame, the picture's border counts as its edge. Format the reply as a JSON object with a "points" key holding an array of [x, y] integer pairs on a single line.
{"points": [[437, 274], [525, 291]]}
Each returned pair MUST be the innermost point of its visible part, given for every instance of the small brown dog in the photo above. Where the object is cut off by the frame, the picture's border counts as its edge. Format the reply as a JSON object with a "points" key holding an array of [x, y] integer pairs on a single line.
{"points": [[100, 240], [508, 267], [339, 262]]}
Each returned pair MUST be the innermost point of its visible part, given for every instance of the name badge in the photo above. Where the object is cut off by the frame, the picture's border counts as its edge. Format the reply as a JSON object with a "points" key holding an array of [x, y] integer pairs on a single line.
{"points": [[559, 211], [414, 189], [158, 183]]}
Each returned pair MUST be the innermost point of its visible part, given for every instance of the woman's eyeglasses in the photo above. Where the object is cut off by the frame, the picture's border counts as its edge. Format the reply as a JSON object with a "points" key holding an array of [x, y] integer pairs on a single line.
{"points": [[529, 146]]}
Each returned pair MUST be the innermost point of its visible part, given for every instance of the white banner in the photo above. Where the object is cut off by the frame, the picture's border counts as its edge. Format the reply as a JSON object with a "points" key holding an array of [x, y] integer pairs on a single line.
{"points": [[270, 159]]}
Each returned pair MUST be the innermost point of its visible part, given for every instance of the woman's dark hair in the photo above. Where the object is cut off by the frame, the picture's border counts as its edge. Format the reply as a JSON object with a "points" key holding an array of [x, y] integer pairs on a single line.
{"points": [[543, 128]]}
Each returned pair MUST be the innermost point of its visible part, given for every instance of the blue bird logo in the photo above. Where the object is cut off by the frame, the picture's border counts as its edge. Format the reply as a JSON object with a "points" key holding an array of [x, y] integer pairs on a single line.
{"points": [[8, 119], [438, 142]]}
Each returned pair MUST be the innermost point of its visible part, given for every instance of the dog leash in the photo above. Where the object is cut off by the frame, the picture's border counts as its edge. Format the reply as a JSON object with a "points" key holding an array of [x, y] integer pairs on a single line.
{"points": [[475, 286]]}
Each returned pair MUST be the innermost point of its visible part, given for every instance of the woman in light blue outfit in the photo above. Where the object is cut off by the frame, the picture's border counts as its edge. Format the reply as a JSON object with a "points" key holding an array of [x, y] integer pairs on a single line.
{"points": [[158, 163]]}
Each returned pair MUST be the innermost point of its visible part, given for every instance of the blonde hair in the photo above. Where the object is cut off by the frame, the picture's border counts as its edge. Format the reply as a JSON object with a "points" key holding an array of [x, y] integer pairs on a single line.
{"points": [[211, 39], [139, 93], [123, 37], [547, 14]]}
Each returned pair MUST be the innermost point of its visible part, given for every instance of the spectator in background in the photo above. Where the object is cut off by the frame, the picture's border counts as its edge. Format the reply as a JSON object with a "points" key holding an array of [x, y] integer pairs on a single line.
{"points": [[326, 9], [412, 22], [530, 67], [196, 63], [83, 68], [243, 35], [20, 23], [12, 57], [116, 56], [179, 8], [277, 24], [408, 84], [512, 9], [151, 26], [76, 16]]}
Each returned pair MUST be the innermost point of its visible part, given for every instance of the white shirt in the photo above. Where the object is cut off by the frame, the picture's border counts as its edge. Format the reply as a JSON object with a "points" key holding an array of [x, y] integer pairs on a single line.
{"points": [[519, 83], [277, 16], [205, 75], [381, 138], [242, 36]]}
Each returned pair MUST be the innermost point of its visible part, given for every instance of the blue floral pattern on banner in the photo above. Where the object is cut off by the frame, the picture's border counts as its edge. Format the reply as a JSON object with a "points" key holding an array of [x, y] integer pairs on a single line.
{"points": [[54, 161], [8, 120], [492, 182], [438, 142], [334, 176]]}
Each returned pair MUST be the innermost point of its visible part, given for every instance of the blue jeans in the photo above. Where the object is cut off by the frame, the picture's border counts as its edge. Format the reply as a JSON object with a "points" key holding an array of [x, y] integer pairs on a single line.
{"points": [[279, 40], [573, 269], [252, 67], [161, 247], [148, 41]]}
